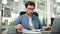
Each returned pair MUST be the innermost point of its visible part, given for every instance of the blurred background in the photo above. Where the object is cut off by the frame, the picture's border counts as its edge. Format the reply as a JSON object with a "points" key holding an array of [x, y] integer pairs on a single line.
{"points": [[47, 10]]}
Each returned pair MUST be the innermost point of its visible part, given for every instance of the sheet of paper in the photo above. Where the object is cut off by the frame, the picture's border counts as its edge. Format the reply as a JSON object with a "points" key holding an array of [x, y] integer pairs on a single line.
{"points": [[30, 31]]}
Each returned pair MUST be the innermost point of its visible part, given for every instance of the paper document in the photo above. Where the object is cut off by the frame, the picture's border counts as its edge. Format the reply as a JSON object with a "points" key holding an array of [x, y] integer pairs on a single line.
{"points": [[30, 31]]}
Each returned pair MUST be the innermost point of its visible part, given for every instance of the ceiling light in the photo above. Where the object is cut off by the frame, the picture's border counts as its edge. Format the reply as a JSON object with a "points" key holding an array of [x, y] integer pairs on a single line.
{"points": [[4, 1], [16, 0]]}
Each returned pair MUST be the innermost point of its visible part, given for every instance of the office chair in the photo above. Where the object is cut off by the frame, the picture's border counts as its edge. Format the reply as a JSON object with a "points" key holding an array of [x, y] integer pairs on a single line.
{"points": [[34, 13]]}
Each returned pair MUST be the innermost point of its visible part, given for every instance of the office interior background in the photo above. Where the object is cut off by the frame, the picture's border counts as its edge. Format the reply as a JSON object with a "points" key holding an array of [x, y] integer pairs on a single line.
{"points": [[10, 9]]}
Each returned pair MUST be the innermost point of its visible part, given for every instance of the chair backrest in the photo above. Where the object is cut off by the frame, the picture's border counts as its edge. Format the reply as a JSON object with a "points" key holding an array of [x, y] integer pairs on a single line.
{"points": [[52, 20], [34, 13]]}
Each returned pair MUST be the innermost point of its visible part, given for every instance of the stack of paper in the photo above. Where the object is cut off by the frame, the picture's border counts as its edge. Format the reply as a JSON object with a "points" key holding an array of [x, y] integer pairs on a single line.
{"points": [[30, 31]]}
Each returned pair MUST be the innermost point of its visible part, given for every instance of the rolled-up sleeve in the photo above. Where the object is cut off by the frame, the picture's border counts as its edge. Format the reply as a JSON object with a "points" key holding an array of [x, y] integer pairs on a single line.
{"points": [[40, 25]]}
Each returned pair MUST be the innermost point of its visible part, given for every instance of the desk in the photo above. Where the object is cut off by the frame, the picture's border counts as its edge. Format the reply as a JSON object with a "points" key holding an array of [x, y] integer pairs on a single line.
{"points": [[14, 31], [42, 32], [28, 33], [46, 32]]}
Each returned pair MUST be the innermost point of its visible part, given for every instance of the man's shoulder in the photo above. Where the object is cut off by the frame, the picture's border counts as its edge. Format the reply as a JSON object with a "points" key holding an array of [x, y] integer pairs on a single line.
{"points": [[22, 15], [35, 16]]}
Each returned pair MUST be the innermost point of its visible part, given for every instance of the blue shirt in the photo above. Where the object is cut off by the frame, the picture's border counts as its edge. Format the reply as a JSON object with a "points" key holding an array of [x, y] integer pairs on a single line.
{"points": [[24, 21]]}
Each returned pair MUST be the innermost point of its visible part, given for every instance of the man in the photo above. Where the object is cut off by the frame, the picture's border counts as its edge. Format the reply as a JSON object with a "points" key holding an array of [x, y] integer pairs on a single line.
{"points": [[28, 21]]}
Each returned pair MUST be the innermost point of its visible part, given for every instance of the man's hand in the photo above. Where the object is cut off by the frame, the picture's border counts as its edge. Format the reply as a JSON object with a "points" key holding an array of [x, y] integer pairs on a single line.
{"points": [[19, 27], [48, 28]]}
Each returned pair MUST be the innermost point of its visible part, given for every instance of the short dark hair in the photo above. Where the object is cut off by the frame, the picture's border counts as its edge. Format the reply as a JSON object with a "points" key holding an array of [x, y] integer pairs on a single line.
{"points": [[29, 3]]}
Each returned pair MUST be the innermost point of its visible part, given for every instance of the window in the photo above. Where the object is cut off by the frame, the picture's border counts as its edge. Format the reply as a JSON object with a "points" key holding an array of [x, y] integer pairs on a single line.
{"points": [[6, 12]]}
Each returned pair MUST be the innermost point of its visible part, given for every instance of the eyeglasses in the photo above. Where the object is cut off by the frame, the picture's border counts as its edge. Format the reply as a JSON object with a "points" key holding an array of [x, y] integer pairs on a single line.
{"points": [[30, 8]]}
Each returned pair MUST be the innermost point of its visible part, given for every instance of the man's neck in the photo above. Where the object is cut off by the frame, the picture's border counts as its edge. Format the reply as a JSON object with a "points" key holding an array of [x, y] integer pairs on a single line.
{"points": [[29, 15]]}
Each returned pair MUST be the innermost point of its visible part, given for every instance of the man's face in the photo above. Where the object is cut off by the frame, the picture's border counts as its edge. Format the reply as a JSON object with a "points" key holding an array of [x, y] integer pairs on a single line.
{"points": [[30, 9]]}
